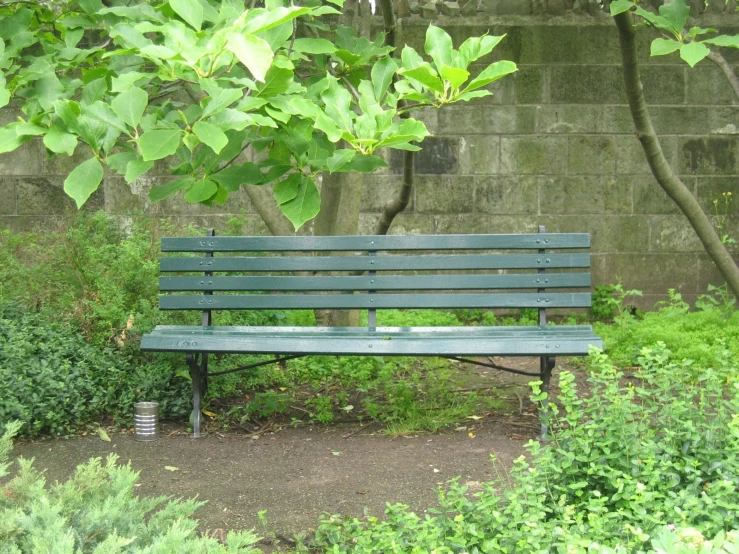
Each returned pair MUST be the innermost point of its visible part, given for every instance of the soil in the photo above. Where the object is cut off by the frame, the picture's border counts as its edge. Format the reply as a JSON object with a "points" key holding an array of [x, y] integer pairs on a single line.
{"points": [[297, 474]]}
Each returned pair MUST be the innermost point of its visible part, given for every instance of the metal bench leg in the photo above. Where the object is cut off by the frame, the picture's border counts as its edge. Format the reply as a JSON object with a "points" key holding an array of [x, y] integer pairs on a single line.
{"points": [[199, 376], [546, 365]]}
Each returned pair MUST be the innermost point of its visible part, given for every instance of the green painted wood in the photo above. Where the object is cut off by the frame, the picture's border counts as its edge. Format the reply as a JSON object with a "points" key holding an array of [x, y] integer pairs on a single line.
{"points": [[405, 345], [376, 282], [376, 242], [374, 301], [381, 263], [421, 332]]}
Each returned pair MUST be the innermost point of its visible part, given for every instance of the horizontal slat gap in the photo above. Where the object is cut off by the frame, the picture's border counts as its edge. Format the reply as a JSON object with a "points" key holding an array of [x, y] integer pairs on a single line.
{"points": [[381, 263], [376, 282], [375, 301], [376, 242]]}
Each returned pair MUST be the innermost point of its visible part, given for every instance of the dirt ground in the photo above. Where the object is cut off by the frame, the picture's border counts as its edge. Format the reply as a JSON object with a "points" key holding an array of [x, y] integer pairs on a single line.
{"points": [[298, 474]]}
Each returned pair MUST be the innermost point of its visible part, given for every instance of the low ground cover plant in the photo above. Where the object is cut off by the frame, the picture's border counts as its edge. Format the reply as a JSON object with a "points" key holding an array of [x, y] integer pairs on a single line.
{"points": [[627, 460], [96, 511]]}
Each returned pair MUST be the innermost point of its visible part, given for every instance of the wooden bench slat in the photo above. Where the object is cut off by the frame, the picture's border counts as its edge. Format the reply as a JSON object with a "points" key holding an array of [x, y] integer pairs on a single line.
{"points": [[401, 345], [381, 263], [375, 282], [375, 242], [374, 301]]}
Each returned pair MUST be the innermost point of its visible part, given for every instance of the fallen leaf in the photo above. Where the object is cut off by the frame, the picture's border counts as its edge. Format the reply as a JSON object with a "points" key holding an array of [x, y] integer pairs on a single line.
{"points": [[102, 434], [460, 429], [471, 435], [171, 468], [336, 453], [209, 414], [348, 408], [436, 470], [475, 417]]}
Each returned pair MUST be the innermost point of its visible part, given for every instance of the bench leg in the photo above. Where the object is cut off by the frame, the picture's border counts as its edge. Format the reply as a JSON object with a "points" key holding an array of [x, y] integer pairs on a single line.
{"points": [[199, 376], [546, 365]]}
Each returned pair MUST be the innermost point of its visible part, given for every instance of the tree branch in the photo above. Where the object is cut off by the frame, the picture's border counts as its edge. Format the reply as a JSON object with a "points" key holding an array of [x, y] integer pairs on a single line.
{"points": [[720, 61], [263, 201], [661, 170]]}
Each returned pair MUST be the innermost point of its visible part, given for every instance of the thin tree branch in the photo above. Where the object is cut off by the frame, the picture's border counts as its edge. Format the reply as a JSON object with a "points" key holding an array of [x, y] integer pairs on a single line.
{"points": [[720, 61], [263, 201], [661, 170]]}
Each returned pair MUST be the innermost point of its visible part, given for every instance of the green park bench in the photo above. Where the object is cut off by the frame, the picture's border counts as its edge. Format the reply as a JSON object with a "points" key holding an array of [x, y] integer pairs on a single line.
{"points": [[506, 271]]}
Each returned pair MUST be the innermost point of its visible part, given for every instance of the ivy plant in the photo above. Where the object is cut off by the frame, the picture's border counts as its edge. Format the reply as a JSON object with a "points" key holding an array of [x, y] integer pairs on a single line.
{"points": [[195, 83]]}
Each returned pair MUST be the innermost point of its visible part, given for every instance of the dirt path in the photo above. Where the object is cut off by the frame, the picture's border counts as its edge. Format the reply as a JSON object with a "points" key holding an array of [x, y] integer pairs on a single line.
{"points": [[297, 474]]}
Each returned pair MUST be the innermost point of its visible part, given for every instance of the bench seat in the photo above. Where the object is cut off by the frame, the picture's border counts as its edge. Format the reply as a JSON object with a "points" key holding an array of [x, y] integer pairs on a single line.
{"points": [[551, 340]]}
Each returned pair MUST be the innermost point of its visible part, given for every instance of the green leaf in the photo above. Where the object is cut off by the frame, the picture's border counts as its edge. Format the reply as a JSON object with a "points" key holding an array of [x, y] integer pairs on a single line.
{"points": [[657, 20], [364, 164], [268, 19], [84, 180], [158, 144], [475, 48], [119, 162], [189, 10], [693, 52], [210, 135], [102, 433], [338, 105], [424, 75], [455, 76], [287, 189], [9, 139], [60, 142], [676, 12], [339, 159], [438, 46], [724, 40], [130, 105], [276, 81], [201, 190], [254, 52], [102, 112], [662, 47], [491, 73], [159, 192], [467, 96], [382, 75], [305, 205], [49, 89], [620, 6], [234, 176], [313, 46], [136, 168]]}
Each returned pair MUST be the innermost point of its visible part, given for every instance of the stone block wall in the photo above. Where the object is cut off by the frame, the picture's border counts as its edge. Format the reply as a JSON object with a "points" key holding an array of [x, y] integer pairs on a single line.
{"points": [[553, 146]]}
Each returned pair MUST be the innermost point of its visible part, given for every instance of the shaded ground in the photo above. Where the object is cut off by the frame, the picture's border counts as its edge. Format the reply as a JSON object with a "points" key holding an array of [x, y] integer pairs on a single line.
{"points": [[296, 474]]}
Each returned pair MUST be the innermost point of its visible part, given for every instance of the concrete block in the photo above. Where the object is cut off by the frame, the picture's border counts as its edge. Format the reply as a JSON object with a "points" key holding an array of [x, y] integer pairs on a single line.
{"points": [[617, 119], [717, 155], [533, 155], [120, 199], [591, 155], [507, 195], [618, 195], [25, 223], [506, 7], [532, 85], [673, 233], [609, 233], [439, 156], [649, 198], [653, 273], [61, 164], [509, 120], [569, 118], [42, 196], [587, 84], [441, 194], [7, 196], [706, 84], [694, 120], [630, 157], [599, 44], [378, 190], [405, 224], [462, 120], [571, 195], [549, 44], [484, 223], [479, 155], [26, 160], [710, 189], [451, 9], [664, 84]]}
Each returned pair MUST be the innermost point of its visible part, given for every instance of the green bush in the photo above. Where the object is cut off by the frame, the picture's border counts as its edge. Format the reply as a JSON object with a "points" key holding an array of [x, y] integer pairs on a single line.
{"points": [[54, 381], [622, 462], [96, 511]]}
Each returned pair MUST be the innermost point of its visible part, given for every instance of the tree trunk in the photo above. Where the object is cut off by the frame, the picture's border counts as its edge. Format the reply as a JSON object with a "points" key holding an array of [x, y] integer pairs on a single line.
{"points": [[661, 170]]}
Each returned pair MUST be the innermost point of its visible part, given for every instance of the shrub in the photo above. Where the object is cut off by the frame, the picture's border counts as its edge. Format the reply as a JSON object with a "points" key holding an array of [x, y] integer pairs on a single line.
{"points": [[96, 511], [622, 462]]}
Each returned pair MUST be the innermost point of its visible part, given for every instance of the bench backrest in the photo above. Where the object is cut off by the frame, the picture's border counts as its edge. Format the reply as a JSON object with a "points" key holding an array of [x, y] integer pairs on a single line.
{"points": [[410, 271]]}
